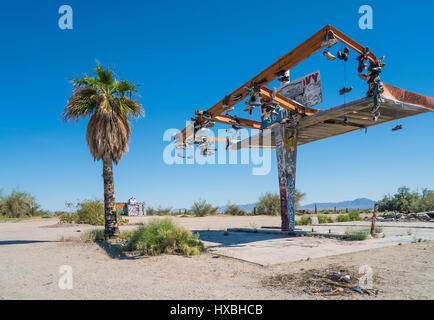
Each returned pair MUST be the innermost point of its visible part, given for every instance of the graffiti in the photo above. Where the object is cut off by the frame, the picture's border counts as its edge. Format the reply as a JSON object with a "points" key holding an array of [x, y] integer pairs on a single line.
{"points": [[305, 90], [290, 143], [286, 151]]}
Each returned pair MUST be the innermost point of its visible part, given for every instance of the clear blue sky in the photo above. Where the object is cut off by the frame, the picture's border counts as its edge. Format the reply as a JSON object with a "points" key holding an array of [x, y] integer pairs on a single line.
{"points": [[188, 55]]}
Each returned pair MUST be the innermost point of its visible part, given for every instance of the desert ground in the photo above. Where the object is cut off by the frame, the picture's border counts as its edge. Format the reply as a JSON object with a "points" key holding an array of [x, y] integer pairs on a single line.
{"points": [[32, 251]]}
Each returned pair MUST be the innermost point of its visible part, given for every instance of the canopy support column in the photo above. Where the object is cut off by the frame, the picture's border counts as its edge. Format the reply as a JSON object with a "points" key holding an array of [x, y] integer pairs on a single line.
{"points": [[286, 152]]}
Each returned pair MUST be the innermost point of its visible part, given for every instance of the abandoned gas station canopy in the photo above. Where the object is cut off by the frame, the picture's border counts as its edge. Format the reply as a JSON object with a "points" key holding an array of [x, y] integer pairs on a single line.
{"points": [[397, 104], [287, 117]]}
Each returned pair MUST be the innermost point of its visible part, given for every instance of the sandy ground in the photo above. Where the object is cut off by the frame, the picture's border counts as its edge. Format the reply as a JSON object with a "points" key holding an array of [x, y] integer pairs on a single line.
{"points": [[31, 254]]}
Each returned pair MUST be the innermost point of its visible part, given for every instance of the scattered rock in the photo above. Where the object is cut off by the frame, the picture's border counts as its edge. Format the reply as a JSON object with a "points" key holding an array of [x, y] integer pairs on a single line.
{"points": [[347, 278]]}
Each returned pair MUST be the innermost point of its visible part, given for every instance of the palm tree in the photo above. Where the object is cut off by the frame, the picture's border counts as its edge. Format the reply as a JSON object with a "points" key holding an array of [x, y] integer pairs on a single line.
{"points": [[103, 98]]}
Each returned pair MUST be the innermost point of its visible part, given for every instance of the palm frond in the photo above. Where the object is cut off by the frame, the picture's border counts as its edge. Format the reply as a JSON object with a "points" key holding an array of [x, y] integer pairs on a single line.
{"points": [[82, 103], [130, 108], [124, 87], [104, 98], [105, 76]]}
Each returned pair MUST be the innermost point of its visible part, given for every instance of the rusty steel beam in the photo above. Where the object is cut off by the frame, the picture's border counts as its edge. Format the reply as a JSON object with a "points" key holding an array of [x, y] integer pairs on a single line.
{"points": [[297, 55], [287, 103], [247, 123], [351, 43]]}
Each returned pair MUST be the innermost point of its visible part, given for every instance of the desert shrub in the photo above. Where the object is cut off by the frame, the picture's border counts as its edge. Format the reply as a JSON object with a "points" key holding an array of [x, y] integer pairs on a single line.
{"points": [[66, 217], [378, 229], [159, 211], [163, 236], [354, 216], [234, 210], [324, 219], [93, 235], [90, 212], [87, 212], [327, 211], [406, 201], [269, 203], [343, 218], [357, 235], [19, 205], [305, 219], [201, 208]]}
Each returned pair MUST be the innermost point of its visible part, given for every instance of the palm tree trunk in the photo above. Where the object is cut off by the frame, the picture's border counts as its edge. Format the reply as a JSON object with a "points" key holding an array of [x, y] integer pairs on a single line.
{"points": [[111, 221]]}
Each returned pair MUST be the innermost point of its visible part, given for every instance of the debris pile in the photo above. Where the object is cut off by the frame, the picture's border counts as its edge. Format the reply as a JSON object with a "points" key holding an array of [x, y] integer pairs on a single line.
{"points": [[398, 216], [329, 282]]}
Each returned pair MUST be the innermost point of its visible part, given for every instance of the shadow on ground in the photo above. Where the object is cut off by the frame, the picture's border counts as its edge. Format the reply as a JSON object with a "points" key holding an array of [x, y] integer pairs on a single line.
{"points": [[113, 251], [11, 242]]}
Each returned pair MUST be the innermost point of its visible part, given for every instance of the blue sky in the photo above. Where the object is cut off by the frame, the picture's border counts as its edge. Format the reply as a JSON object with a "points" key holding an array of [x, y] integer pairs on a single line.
{"points": [[188, 55]]}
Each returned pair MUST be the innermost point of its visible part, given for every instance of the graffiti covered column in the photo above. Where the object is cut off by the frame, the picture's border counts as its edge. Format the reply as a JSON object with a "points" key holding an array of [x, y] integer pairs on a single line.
{"points": [[286, 151]]}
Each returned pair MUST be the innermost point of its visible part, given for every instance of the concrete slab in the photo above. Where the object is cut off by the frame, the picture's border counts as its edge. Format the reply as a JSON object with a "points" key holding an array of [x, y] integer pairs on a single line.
{"points": [[266, 247]]}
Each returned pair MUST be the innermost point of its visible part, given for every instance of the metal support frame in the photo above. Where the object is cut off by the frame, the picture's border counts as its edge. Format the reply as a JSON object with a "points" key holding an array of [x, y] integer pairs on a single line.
{"points": [[285, 134], [286, 152]]}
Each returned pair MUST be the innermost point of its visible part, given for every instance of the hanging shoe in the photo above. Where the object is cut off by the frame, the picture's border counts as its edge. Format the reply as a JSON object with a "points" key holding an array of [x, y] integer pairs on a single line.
{"points": [[345, 121], [345, 90], [343, 55], [364, 76], [376, 116], [249, 109], [375, 106], [283, 79], [236, 97], [362, 63], [330, 42], [328, 55]]}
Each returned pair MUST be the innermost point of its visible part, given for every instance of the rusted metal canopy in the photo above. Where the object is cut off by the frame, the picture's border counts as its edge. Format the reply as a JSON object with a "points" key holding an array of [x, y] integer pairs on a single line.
{"points": [[397, 104]]}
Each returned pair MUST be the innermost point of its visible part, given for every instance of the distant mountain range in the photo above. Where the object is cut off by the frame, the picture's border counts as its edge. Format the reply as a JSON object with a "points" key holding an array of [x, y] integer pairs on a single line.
{"points": [[361, 203]]}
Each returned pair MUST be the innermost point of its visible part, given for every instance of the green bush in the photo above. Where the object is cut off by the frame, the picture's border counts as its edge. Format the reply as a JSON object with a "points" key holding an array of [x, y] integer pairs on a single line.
{"points": [[163, 236], [378, 229], [305, 219], [269, 203], [234, 210], [325, 219], [90, 212], [87, 212], [66, 217], [19, 205], [343, 218], [406, 201], [357, 235], [93, 236], [354, 216], [201, 208], [159, 211]]}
